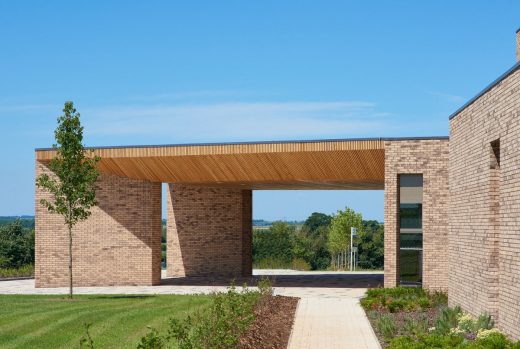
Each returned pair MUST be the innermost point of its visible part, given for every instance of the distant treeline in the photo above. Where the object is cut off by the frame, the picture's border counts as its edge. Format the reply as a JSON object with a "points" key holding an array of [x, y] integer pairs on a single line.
{"points": [[264, 223], [16, 246], [319, 243], [25, 221]]}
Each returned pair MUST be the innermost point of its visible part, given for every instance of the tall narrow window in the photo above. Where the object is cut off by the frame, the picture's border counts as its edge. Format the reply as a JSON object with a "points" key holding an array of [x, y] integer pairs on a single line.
{"points": [[410, 229], [495, 154], [493, 238]]}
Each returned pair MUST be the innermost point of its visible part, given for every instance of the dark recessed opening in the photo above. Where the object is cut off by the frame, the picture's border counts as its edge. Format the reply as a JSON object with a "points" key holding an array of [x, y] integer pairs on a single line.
{"points": [[495, 153]]}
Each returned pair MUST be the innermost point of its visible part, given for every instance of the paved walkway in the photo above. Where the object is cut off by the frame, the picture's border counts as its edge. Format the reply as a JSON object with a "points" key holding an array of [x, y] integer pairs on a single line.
{"points": [[332, 322], [328, 315]]}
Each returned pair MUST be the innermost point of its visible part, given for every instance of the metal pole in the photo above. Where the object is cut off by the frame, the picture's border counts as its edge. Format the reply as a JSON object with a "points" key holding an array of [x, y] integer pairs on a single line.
{"points": [[351, 251], [352, 234]]}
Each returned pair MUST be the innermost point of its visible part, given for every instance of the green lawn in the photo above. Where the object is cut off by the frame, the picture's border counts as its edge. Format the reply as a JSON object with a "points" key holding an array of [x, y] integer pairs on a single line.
{"points": [[118, 321]]}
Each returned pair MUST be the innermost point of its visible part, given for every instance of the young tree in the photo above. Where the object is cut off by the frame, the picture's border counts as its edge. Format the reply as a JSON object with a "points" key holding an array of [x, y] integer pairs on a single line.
{"points": [[339, 234], [73, 183]]}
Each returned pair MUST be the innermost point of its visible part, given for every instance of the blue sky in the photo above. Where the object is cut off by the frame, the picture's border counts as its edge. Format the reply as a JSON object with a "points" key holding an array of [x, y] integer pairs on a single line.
{"points": [[208, 71]]}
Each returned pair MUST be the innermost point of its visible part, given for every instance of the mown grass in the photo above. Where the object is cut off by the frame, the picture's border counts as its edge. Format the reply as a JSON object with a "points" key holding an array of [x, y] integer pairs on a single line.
{"points": [[118, 321]]}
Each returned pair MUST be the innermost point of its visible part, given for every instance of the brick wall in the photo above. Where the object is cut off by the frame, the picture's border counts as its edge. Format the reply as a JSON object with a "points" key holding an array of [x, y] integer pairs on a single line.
{"points": [[484, 239], [118, 245], [518, 45], [429, 158], [209, 231]]}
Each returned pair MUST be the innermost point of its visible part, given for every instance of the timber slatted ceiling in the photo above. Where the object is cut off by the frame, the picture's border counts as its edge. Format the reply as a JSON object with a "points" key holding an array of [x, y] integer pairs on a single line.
{"points": [[343, 164]]}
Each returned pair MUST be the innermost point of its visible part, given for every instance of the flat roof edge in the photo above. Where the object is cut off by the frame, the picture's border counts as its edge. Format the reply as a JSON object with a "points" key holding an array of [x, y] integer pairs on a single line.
{"points": [[381, 139], [486, 89]]}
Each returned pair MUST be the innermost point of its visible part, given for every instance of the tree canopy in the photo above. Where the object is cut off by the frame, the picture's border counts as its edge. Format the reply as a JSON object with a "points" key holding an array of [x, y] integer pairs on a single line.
{"points": [[16, 245], [311, 246], [339, 231], [75, 173]]}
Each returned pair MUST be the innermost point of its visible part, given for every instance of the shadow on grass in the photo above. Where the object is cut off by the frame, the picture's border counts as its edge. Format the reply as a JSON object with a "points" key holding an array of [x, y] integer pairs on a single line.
{"points": [[89, 297], [320, 280], [121, 296]]}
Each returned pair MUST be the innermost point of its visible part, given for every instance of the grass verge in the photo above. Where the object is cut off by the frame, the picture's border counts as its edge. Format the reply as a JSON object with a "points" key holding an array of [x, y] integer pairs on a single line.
{"points": [[118, 321]]}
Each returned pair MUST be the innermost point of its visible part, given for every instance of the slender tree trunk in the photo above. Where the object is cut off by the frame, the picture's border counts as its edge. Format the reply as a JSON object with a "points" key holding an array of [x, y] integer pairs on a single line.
{"points": [[70, 262]]}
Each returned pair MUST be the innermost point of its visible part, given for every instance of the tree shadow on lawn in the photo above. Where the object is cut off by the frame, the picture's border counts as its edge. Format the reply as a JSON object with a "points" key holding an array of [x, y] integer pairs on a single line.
{"points": [[121, 296], [88, 297]]}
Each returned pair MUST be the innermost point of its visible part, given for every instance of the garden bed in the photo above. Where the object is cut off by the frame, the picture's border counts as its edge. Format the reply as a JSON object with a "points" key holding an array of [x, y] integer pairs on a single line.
{"points": [[271, 329], [412, 318]]}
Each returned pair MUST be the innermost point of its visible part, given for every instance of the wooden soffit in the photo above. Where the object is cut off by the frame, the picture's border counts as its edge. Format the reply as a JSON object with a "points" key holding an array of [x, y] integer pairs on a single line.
{"points": [[328, 164]]}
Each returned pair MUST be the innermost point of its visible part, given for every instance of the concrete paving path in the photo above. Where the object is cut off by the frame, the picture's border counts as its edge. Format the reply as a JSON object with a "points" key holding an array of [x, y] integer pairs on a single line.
{"points": [[328, 315], [332, 323]]}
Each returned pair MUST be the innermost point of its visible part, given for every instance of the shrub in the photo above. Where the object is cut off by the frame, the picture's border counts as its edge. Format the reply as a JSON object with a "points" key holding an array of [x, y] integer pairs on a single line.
{"points": [[300, 264], [438, 298], [424, 303], [386, 326], [448, 319], [26, 270], [466, 323], [265, 287], [271, 263], [482, 334], [453, 328], [152, 340], [484, 322], [426, 342], [220, 326], [369, 303], [495, 340], [416, 327], [402, 298]]}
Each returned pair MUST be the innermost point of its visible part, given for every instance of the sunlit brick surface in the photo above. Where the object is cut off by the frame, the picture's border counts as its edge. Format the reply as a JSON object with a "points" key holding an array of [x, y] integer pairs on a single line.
{"points": [[429, 158], [484, 241], [119, 244]]}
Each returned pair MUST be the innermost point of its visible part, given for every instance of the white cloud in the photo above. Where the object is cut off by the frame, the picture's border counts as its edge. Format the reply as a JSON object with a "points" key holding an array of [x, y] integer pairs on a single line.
{"points": [[190, 95], [238, 120], [448, 97]]}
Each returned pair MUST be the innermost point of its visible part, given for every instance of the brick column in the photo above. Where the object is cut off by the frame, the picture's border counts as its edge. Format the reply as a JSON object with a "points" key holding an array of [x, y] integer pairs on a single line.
{"points": [[209, 231], [119, 244], [429, 158], [391, 229]]}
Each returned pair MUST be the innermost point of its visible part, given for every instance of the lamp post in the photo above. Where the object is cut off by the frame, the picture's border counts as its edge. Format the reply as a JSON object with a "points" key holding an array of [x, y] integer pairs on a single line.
{"points": [[353, 233]]}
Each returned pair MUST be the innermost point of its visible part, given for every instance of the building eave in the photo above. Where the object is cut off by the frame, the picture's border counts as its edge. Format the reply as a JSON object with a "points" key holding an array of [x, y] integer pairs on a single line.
{"points": [[486, 89]]}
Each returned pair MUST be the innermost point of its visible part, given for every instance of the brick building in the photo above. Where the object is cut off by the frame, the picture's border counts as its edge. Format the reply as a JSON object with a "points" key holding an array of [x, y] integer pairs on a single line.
{"points": [[452, 206]]}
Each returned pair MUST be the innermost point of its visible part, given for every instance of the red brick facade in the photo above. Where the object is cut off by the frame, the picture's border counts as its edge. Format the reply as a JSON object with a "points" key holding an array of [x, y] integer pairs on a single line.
{"points": [[484, 239], [120, 244], [209, 231], [429, 158]]}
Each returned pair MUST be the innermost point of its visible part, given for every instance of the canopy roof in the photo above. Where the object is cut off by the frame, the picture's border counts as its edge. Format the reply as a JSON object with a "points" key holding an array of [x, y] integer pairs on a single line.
{"points": [[314, 164], [321, 164]]}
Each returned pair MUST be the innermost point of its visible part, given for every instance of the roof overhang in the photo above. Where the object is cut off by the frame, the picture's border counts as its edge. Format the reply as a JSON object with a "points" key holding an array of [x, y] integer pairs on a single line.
{"points": [[321, 164]]}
